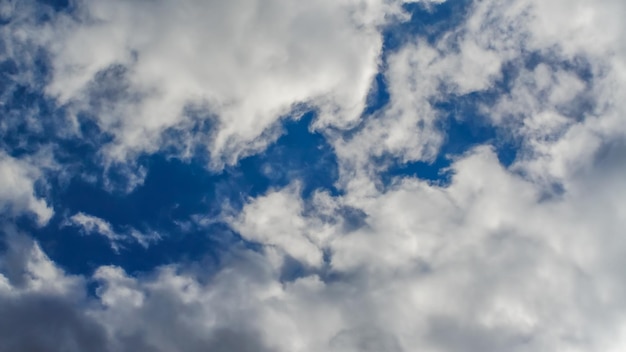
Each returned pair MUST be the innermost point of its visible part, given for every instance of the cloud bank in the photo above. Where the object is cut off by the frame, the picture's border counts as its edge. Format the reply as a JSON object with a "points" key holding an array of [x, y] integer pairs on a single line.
{"points": [[524, 255]]}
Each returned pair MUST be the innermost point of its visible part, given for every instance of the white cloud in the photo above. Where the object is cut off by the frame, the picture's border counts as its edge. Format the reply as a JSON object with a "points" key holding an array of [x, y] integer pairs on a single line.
{"points": [[419, 75], [552, 110], [141, 67], [94, 225], [562, 120], [487, 263], [498, 260], [495, 261], [406, 127], [17, 189], [26, 269], [20, 57], [276, 219]]}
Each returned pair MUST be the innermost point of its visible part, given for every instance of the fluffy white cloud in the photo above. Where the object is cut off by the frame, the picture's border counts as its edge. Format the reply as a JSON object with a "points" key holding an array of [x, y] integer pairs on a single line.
{"points": [[498, 260], [420, 75], [562, 117], [488, 263], [17, 189], [144, 67], [545, 102], [276, 219]]}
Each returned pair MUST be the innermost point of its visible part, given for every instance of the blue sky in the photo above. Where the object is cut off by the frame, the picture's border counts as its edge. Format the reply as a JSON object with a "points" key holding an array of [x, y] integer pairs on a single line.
{"points": [[353, 175]]}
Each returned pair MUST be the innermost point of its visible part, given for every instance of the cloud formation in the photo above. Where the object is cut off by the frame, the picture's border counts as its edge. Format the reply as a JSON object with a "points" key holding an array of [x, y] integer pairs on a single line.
{"points": [[143, 68], [525, 256], [17, 189]]}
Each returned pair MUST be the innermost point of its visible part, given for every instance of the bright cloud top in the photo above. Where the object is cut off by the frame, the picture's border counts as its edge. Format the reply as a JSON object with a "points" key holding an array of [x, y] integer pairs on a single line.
{"points": [[522, 255], [144, 67]]}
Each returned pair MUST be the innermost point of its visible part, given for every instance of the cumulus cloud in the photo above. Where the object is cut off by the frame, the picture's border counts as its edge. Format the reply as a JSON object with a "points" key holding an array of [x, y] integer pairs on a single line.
{"points": [[141, 68], [17, 189], [419, 76], [563, 94], [563, 109], [525, 257], [42, 307], [276, 219], [485, 263]]}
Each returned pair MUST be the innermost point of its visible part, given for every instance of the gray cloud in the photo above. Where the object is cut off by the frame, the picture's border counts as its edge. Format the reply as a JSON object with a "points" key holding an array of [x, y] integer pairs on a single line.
{"points": [[37, 323], [364, 339]]}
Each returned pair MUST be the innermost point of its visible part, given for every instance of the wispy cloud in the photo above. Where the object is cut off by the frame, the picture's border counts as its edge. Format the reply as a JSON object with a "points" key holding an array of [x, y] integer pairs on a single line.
{"points": [[92, 225]]}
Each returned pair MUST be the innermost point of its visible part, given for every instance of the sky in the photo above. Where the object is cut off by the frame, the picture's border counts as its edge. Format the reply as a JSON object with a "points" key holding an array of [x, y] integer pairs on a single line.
{"points": [[329, 175]]}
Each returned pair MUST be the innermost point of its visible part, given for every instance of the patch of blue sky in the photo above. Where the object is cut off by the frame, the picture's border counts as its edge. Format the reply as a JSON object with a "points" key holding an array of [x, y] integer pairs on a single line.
{"points": [[428, 21], [299, 154], [58, 5]]}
